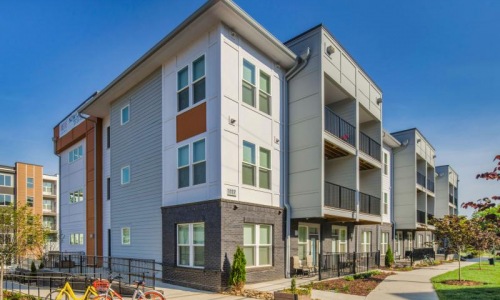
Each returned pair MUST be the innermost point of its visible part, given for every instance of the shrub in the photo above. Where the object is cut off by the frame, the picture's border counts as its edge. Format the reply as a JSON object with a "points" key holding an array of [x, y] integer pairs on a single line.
{"points": [[238, 275], [349, 278], [41, 266], [389, 257], [293, 286], [33, 267]]}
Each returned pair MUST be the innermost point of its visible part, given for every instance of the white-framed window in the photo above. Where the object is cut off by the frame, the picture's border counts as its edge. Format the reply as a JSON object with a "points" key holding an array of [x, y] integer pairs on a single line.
{"points": [[76, 154], [30, 201], [386, 164], [384, 239], [191, 84], [399, 241], [6, 199], [76, 196], [48, 205], [410, 241], [191, 245], [125, 235], [48, 188], [5, 180], [303, 238], [49, 222], [6, 238], [191, 163], [249, 87], [76, 239], [428, 242], [366, 241], [420, 240], [258, 244], [30, 182], [249, 174], [386, 203], [339, 239], [125, 175], [125, 114]]}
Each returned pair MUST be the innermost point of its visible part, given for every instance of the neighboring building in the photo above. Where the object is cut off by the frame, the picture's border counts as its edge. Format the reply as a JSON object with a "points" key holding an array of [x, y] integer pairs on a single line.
{"points": [[25, 184], [414, 189], [446, 191]]}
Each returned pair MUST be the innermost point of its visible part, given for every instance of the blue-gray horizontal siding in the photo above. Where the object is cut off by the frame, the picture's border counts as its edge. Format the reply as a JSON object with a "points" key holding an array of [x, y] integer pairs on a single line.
{"points": [[138, 144]]}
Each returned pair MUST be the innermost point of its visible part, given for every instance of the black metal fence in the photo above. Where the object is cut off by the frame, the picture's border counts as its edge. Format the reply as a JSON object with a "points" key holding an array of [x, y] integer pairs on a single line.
{"points": [[421, 253], [421, 179], [420, 216], [430, 185], [339, 127], [341, 264], [339, 197]]}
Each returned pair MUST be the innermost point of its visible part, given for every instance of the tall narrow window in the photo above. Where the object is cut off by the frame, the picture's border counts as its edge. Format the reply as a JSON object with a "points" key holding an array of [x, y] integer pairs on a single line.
{"points": [[366, 241], [30, 201], [126, 236], [182, 89], [108, 137], [199, 163], [199, 80], [264, 168], [386, 204], [384, 239], [125, 175], [339, 239], [108, 188], [410, 241], [191, 245], [248, 163], [386, 164], [265, 93], [183, 166], [125, 115], [30, 183], [248, 84], [257, 240], [302, 251]]}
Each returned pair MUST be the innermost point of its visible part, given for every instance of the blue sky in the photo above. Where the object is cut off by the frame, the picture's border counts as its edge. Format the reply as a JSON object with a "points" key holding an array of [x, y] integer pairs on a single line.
{"points": [[437, 63]]}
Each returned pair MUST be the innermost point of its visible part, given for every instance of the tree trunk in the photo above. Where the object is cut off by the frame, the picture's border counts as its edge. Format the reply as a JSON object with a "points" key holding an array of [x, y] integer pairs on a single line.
{"points": [[480, 261], [459, 264], [1, 280]]}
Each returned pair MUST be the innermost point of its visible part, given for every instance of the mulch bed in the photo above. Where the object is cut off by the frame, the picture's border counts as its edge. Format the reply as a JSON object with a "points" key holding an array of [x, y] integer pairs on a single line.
{"points": [[360, 287], [462, 282]]}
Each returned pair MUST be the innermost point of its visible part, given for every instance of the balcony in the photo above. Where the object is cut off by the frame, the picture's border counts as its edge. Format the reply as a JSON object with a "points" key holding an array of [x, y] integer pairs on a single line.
{"points": [[337, 196], [430, 185], [421, 179], [455, 201], [369, 204], [339, 127], [369, 146], [451, 199], [49, 226], [429, 216], [421, 216]]}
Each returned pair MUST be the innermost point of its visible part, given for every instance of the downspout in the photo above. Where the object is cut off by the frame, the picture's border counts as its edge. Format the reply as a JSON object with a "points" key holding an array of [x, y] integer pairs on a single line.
{"points": [[300, 64], [403, 146]]}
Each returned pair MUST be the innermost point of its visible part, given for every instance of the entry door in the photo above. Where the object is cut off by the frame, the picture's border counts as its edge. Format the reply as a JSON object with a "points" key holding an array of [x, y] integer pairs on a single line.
{"points": [[399, 240], [314, 243], [309, 244]]}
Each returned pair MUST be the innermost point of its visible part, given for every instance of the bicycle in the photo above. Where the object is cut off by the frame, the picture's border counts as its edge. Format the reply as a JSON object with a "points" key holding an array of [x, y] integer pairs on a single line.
{"points": [[108, 293], [67, 293], [428, 260]]}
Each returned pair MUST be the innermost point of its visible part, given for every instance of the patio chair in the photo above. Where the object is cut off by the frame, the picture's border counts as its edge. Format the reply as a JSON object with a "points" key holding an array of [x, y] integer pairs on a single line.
{"points": [[297, 266], [310, 265]]}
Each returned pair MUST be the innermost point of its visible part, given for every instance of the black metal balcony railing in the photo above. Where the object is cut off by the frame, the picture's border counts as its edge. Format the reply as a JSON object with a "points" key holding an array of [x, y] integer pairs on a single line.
{"points": [[339, 127], [456, 201], [430, 185], [420, 216], [339, 197], [451, 199], [421, 179], [369, 204], [429, 217], [369, 146]]}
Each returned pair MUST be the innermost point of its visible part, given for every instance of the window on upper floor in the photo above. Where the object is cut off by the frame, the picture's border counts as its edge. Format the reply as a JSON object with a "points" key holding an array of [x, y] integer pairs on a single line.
{"points": [[191, 163], [125, 114], [76, 239], [6, 199], [126, 236], [386, 164], [191, 245], [48, 188], [76, 154], [108, 137], [5, 180], [30, 182], [125, 175], [250, 86], [249, 175], [191, 84], [48, 205], [30, 202], [76, 196], [258, 244], [386, 204], [108, 188]]}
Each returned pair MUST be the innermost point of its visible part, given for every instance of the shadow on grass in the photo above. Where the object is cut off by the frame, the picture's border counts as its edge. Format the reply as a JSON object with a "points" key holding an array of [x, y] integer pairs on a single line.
{"points": [[470, 293], [414, 296]]}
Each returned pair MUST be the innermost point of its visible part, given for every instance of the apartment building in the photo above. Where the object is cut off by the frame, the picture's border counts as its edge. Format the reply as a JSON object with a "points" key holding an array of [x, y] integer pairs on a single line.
{"points": [[414, 190], [25, 184], [446, 191]]}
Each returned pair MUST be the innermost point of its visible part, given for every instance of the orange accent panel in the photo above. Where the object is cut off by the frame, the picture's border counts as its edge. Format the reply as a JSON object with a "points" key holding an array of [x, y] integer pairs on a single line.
{"points": [[192, 122]]}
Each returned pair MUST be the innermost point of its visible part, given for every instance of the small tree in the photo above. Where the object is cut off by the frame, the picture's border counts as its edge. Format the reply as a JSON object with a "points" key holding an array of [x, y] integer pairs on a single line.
{"points": [[293, 286], [389, 257], [237, 277]]}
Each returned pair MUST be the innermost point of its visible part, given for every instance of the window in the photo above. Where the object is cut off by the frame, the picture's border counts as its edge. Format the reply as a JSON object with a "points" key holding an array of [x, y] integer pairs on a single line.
{"points": [[420, 241], [108, 188], [76, 154], [410, 241], [108, 137], [76, 239], [30, 201], [125, 114], [5, 180], [49, 222], [29, 221], [48, 205], [257, 244], [339, 239], [249, 86], [76, 196], [125, 175], [126, 236], [30, 182], [303, 234], [5, 199], [48, 188], [198, 159], [386, 164], [249, 166], [191, 245], [5, 238], [198, 84], [366, 241], [399, 240], [386, 204], [384, 239]]}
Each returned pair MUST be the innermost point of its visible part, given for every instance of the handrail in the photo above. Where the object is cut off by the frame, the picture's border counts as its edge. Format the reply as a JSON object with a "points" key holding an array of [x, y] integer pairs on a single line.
{"points": [[339, 127]]}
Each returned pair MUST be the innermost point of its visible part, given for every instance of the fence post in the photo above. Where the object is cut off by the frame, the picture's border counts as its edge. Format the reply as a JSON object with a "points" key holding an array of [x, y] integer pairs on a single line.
{"points": [[129, 269], [354, 257], [154, 274], [338, 263], [94, 263], [81, 264]]}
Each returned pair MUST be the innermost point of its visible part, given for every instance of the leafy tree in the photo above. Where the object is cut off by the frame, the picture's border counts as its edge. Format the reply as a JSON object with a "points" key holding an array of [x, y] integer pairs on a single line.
{"points": [[456, 231], [21, 233], [484, 237], [237, 278], [389, 257]]}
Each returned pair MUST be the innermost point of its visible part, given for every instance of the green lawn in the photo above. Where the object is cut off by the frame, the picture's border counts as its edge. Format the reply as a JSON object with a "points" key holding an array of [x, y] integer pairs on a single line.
{"points": [[490, 275]]}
